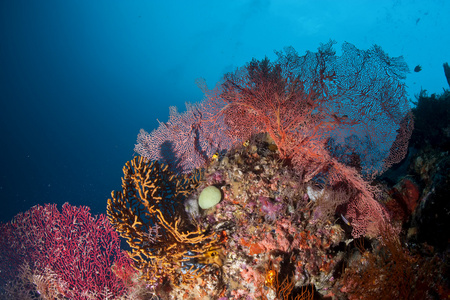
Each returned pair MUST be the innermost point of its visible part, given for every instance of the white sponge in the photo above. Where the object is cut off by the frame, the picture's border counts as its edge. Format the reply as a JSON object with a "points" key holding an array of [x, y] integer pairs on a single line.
{"points": [[209, 197]]}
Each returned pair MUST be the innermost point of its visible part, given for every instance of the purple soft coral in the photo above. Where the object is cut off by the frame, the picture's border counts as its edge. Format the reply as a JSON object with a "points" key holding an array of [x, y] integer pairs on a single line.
{"points": [[270, 208]]}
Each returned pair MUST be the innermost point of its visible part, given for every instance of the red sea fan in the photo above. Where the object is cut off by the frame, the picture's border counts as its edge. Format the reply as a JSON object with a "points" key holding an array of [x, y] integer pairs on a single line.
{"points": [[76, 248], [338, 119], [185, 141], [304, 103]]}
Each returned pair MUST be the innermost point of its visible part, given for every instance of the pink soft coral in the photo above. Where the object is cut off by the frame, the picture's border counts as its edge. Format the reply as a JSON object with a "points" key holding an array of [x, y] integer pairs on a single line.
{"points": [[270, 208]]}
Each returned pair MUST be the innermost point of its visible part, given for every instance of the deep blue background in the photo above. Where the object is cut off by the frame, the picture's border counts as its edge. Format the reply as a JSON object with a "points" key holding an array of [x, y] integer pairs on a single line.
{"points": [[78, 79]]}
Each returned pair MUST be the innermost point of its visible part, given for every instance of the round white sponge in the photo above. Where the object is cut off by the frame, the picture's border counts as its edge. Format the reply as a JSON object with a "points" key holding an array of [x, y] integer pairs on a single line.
{"points": [[209, 197]]}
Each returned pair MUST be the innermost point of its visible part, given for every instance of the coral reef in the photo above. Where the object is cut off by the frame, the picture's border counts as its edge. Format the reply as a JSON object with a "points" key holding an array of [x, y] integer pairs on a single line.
{"points": [[390, 271], [294, 148], [425, 197], [403, 199], [417, 199], [271, 227], [432, 121], [305, 104], [292, 151], [283, 238]]}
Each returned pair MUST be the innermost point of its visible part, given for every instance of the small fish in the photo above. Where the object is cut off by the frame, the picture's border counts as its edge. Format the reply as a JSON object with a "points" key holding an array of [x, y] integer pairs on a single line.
{"points": [[270, 278], [345, 220], [418, 68], [215, 156]]}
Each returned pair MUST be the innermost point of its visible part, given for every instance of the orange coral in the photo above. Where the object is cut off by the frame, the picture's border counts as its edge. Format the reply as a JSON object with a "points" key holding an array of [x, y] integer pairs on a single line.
{"points": [[284, 289], [149, 213], [254, 247]]}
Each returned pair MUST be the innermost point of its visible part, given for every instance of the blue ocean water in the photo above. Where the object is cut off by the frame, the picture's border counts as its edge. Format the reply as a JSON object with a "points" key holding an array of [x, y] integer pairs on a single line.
{"points": [[79, 79]]}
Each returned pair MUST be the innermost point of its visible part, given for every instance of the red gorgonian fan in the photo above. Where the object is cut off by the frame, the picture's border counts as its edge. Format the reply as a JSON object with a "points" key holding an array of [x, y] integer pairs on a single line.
{"points": [[337, 118], [354, 105], [71, 252]]}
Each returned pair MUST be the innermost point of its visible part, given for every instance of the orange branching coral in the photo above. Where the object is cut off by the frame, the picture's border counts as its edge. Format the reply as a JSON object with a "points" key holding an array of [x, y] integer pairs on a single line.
{"points": [[149, 213], [284, 289]]}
